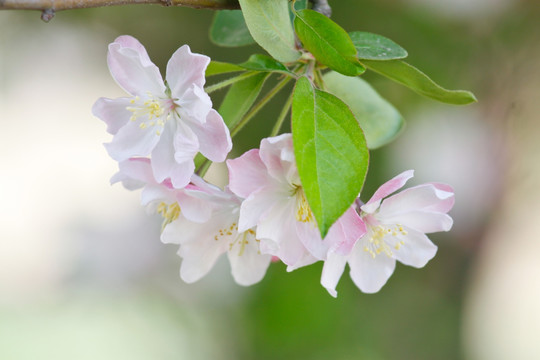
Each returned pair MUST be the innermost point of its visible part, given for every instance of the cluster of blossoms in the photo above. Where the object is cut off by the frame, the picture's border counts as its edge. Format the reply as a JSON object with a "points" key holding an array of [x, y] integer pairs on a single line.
{"points": [[263, 214]]}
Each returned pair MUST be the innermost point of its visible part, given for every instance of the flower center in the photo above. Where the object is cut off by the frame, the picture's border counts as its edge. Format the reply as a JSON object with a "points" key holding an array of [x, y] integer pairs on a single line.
{"points": [[231, 234], [169, 213], [152, 112], [384, 239], [303, 211]]}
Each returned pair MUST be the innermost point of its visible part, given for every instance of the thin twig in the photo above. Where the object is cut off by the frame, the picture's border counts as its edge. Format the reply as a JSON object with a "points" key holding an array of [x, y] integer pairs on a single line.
{"points": [[57, 5], [322, 7]]}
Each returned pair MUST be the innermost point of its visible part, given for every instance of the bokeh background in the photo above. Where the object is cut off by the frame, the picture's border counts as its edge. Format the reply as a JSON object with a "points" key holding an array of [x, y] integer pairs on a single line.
{"points": [[83, 274]]}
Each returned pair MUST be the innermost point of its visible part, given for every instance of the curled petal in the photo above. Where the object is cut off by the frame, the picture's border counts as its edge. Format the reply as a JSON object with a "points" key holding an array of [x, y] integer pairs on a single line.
{"points": [[184, 69], [214, 138], [132, 69], [277, 154], [386, 189], [425, 197], [194, 105]]}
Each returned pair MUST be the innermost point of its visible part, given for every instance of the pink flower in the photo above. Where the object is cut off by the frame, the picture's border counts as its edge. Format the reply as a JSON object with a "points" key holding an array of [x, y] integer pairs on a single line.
{"points": [[202, 219], [396, 228], [171, 121], [275, 203]]}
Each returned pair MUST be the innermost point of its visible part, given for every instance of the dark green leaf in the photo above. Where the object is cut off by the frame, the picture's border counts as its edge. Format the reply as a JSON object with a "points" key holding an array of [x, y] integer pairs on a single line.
{"points": [[229, 29], [218, 67], [331, 152], [376, 47], [258, 62], [269, 24], [328, 42], [380, 121], [240, 98], [416, 80]]}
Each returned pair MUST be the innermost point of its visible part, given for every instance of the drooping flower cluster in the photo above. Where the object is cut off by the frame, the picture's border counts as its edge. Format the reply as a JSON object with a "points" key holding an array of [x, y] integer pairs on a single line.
{"points": [[263, 213]]}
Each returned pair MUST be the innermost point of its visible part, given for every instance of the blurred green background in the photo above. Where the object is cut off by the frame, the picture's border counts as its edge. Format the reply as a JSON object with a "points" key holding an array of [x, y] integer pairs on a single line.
{"points": [[84, 276]]}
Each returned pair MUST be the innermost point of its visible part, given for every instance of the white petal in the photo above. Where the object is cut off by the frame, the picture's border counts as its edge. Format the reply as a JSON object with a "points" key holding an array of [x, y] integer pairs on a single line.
{"points": [[248, 265], [422, 221], [416, 250], [184, 69], [113, 112], [255, 207], [311, 238], [247, 173], [132, 141], [132, 69], [186, 144], [422, 197], [332, 270], [214, 138], [194, 209], [368, 273], [278, 156], [194, 105]]}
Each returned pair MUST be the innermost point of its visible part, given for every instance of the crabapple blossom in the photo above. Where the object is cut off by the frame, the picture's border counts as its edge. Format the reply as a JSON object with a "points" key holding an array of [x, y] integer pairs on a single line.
{"points": [[276, 204], [396, 228], [170, 120], [201, 244], [202, 219]]}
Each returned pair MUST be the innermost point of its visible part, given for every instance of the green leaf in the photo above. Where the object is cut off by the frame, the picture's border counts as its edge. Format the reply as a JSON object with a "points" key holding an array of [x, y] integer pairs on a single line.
{"points": [[376, 47], [269, 24], [229, 29], [218, 67], [380, 121], [416, 80], [259, 62], [327, 41], [330, 150], [240, 98]]}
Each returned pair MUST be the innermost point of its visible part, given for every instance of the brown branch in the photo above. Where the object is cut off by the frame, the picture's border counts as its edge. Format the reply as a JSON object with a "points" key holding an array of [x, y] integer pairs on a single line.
{"points": [[58, 5]]}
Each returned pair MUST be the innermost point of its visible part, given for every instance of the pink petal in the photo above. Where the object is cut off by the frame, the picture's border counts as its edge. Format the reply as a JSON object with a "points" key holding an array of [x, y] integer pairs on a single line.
{"points": [[444, 205], [156, 193], [132, 69], [386, 189], [247, 173], [423, 221], [113, 112], [139, 169], [278, 156], [421, 197], [255, 207], [416, 250], [332, 270], [194, 209], [309, 235], [131, 141], [370, 274], [186, 144], [184, 69], [214, 138], [194, 105], [344, 234]]}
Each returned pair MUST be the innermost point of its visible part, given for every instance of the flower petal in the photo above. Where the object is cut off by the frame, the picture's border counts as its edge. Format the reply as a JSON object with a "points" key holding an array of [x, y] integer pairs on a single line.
{"points": [[422, 221], [248, 265], [386, 189], [255, 207], [184, 69], [186, 144], [214, 138], [131, 141], [277, 154], [332, 270], [421, 197], [194, 105], [247, 173], [132, 69], [193, 208], [368, 273], [113, 112], [416, 250], [344, 234]]}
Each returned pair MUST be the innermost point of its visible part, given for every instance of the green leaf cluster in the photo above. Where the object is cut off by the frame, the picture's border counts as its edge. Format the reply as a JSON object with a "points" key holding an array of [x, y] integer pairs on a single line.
{"points": [[336, 115]]}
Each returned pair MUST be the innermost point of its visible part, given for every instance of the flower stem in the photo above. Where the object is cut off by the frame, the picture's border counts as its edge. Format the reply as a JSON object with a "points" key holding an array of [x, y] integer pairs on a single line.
{"points": [[282, 116], [230, 81], [201, 171], [257, 107]]}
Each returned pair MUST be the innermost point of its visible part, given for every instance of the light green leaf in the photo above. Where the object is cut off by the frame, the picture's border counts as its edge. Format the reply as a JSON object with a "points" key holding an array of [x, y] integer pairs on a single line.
{"points": [[229, 29], [376, 47], [380, 121], [240, 98], [327, 41], [218, 67], [259, 62], [269, 24], [416, 80], [330, 150]]}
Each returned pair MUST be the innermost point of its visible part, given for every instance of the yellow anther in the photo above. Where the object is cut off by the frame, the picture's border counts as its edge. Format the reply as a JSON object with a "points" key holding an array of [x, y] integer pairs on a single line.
{"points": [[170, 212], [303, 211]]}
